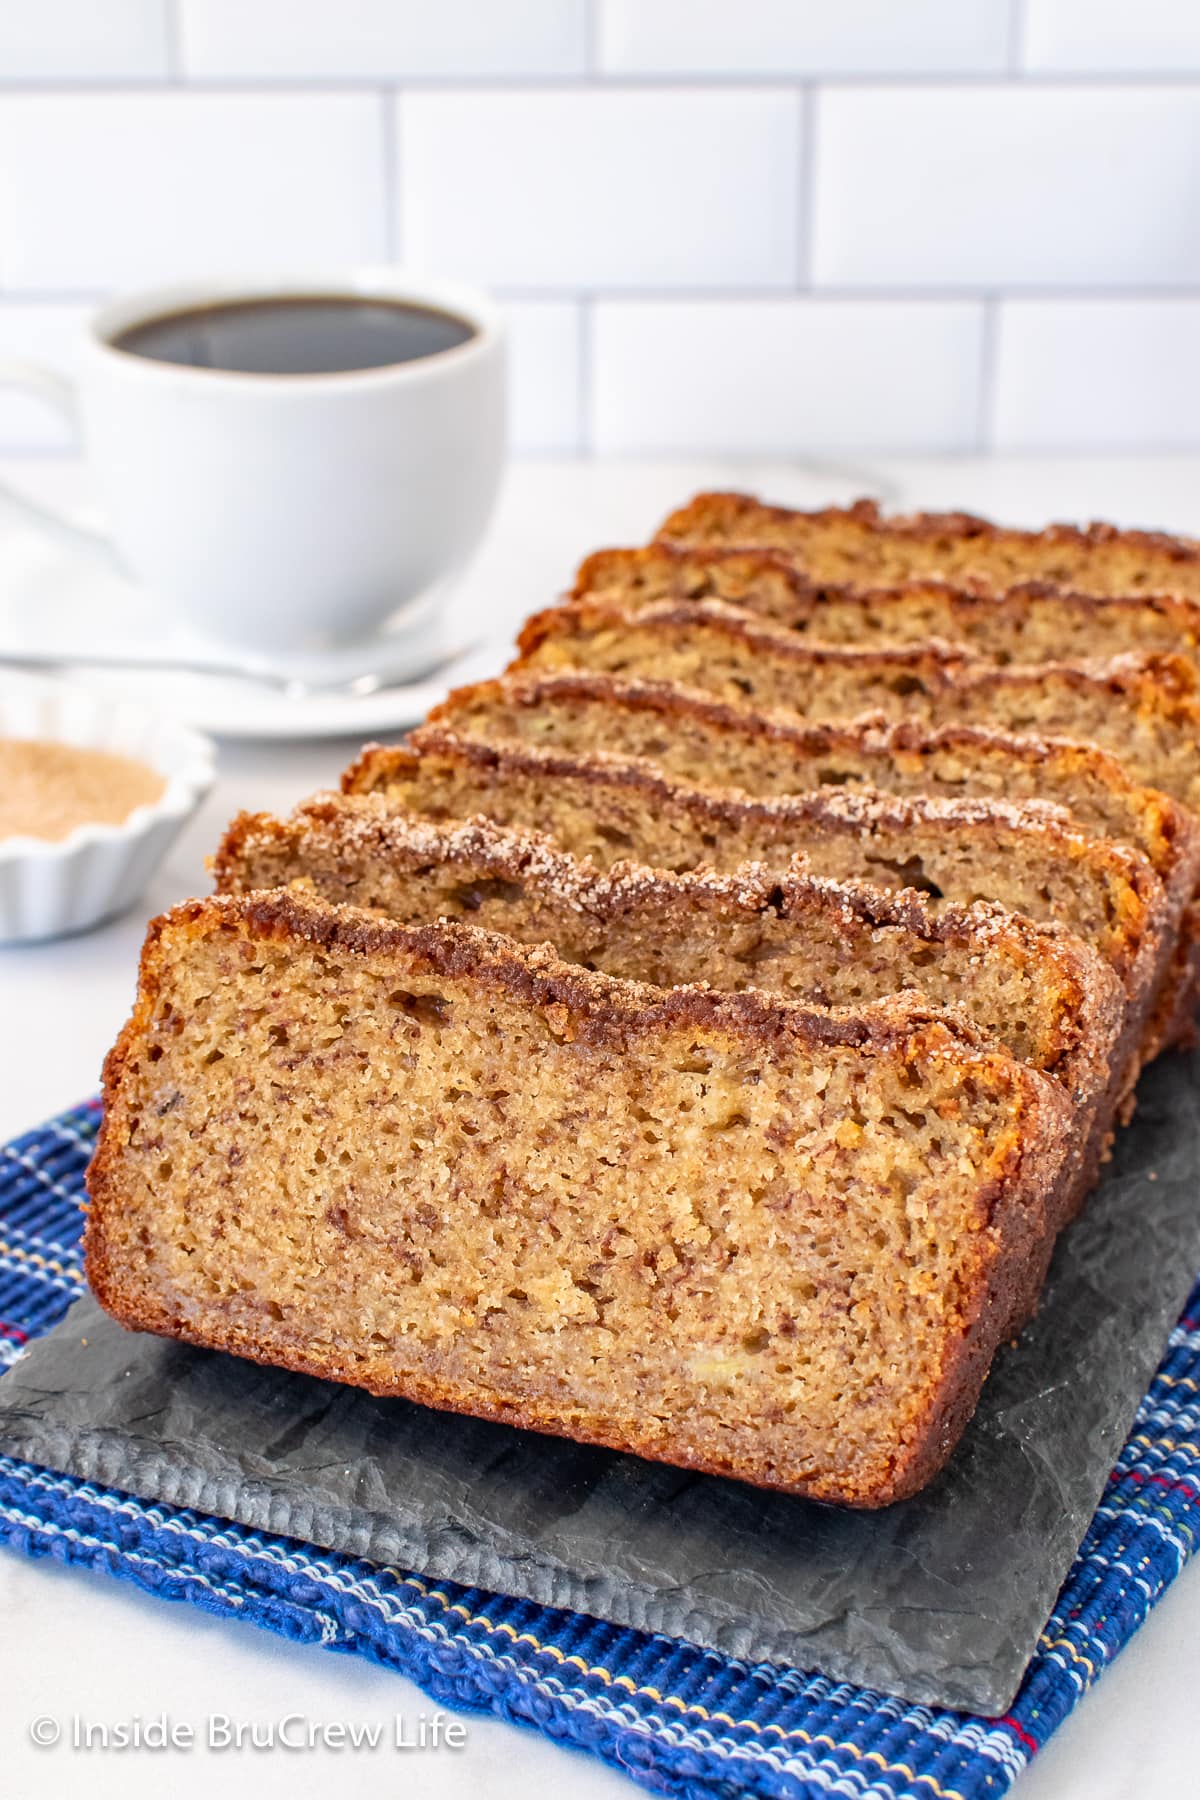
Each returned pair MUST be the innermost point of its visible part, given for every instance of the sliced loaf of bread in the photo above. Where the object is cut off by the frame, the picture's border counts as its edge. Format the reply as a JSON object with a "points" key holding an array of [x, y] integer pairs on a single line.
{"points": [[1036, 990], [402, 1157]]}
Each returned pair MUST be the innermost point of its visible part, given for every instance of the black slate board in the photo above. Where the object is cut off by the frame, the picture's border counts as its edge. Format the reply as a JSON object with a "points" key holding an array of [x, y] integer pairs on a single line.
{"points": [[940, 1599]]}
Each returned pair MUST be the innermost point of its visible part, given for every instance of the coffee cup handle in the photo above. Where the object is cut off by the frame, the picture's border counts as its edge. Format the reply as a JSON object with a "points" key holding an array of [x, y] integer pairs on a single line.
{"points": [[59, 394]]}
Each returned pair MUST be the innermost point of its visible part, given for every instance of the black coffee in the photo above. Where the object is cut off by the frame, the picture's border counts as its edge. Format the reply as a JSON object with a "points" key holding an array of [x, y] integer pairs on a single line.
{"points": [[302, 334]]}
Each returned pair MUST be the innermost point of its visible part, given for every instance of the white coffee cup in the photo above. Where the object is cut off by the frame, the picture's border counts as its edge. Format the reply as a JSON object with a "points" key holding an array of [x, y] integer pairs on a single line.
{"points": [[286, 512]]}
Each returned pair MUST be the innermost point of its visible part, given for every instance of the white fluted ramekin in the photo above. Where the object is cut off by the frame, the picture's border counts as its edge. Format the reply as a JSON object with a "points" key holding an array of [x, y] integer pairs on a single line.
{"points": [[50, 889]]}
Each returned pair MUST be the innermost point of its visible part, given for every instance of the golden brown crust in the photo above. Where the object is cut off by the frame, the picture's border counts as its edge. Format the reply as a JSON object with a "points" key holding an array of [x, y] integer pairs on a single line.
{"points": [[1137, 940], [1005, 1302], [377, 765], [1138, 915], [684, 571], [1072, 1021], [1156, 824], [1149, 705], [1026, 621], [734, 518], [609, 1008], [1017, 1192], [1085, 1001], [1173, 1021], [1162, 679]]}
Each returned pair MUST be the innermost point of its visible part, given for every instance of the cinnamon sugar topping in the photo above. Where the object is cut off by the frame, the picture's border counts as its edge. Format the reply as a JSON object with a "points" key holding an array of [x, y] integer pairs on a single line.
{"points": [[48, 789]]}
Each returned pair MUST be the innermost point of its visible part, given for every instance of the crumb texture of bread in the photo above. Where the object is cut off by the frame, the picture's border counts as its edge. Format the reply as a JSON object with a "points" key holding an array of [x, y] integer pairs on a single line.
{"points": [[707, 743], [952, 851], [1145, 710], [1031, 622], [860, 544], [1037, 990], [402, 1157]]}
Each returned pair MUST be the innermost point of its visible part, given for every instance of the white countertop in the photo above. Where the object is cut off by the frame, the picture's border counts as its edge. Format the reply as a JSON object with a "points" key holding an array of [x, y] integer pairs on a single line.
{"points": [[87, 1645]]}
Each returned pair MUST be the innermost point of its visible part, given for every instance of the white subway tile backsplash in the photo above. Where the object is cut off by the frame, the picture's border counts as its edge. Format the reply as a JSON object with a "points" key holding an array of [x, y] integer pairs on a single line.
{"points": [[544, 375], [83, 40], [378, 40], [1111, 36], [1098, 374], [753, 226], [780, 37], [601, 188], [105, 189], [1007, 186], [48, 335], [777, 377]]}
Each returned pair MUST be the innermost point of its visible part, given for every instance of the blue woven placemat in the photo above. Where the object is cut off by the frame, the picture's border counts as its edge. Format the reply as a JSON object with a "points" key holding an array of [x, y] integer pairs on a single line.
{"points": [[679, 1720]]}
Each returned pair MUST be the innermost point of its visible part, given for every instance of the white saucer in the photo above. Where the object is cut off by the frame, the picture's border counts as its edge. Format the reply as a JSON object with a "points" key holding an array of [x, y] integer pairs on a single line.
{"points": [[53, 601], [229, 708]]}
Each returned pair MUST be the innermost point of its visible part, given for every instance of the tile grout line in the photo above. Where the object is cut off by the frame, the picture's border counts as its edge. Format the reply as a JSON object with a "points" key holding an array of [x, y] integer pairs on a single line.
{"points": [[727, 293], [389, 139], [988, 347], [173, 41], [1017, 23], [807, 100], [930, 294], [586, 431], [799, 287], [516, 82], [591, 39]]}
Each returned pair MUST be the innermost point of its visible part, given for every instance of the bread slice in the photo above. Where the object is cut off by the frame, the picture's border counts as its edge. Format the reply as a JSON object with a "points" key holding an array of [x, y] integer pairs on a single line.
{"points": [[1035, 989], [723, 1231], [956, 852], [860, 545], [693, 738], [1144, 710], [689, 737], [1035, 621]]}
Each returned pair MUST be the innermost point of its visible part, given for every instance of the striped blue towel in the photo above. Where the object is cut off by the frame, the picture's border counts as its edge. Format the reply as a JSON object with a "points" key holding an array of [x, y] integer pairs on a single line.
{"points": [[678, 1719]]}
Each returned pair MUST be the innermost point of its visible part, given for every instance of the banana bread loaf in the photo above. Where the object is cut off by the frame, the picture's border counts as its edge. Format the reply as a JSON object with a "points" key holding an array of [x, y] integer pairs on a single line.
{"points": [[860, 545], [681, 1064], [839, 1216]]}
